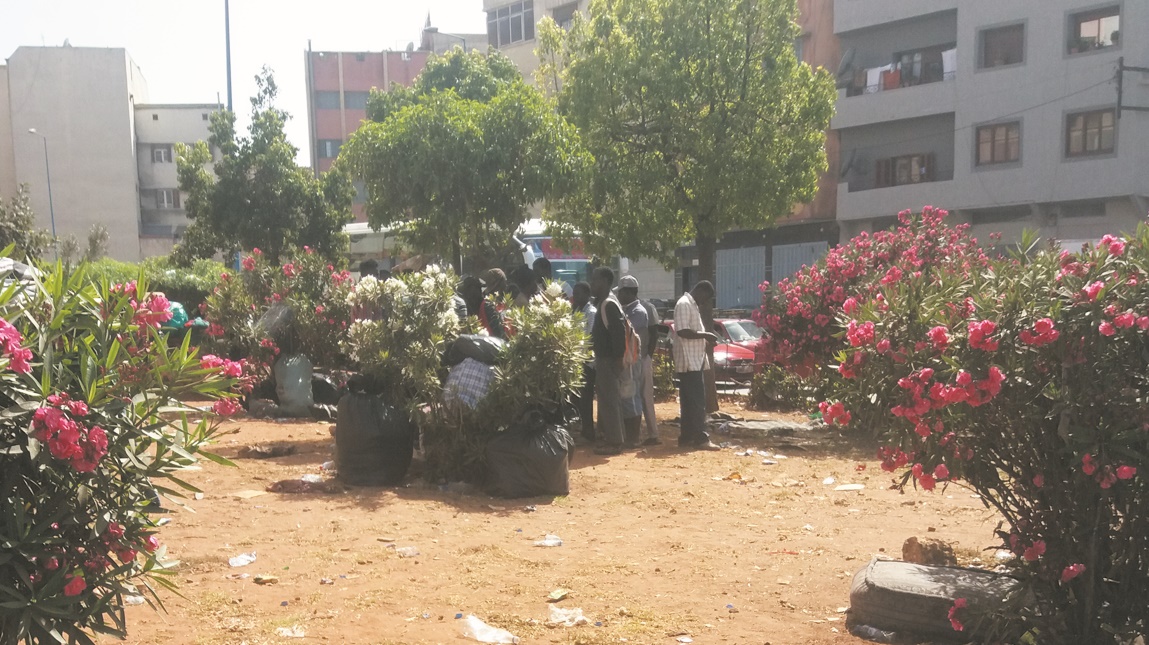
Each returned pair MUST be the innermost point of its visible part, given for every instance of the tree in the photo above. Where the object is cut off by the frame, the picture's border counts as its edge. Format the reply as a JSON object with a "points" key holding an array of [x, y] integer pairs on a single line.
{"points": [[17, 227], [699, 116], [256, 196], [454, 161]]}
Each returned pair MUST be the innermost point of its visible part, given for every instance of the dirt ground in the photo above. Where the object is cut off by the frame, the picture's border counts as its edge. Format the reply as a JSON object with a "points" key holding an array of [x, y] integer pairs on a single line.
{"points": [[657, 545]]}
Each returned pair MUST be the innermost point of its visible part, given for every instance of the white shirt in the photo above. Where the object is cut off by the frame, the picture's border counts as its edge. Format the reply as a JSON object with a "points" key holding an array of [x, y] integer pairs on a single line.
{"points": [[589, 311], [689, 353]]}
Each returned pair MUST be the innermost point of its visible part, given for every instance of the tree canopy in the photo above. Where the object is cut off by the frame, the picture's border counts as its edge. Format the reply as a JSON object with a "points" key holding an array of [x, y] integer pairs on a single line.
{"points": [[256, 196], [700, 118], [453, 162]]}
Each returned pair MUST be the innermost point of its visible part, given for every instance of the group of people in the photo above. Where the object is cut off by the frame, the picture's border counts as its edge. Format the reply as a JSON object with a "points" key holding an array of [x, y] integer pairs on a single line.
{"points": [[621, 381], [623, 385]]}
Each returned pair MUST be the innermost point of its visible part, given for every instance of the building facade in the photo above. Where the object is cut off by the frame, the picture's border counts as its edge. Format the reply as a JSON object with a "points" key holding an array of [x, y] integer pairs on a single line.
{"points": [[339, 84], [87, 108], [1005, 113]]}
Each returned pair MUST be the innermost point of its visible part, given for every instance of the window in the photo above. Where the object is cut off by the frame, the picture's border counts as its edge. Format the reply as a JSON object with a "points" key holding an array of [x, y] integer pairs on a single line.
{"points": [[355, 100], [564, 15], [1090, 133], [360, 192], [167, 198], [155, 117], [204, 116], [926, 65], [906, 169], [329, 148], [513, 23], [162, 154], [360, 57], [1096, 29], [1002, 46], [799, 45], [998, 143], [327, 100]]}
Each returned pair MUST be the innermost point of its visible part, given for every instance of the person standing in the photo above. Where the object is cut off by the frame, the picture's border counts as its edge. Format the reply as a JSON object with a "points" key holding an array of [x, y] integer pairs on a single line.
{"points": [[690, 344], [581, 303], [609, 340], [633, 406], [644, 374], [477, 305]]}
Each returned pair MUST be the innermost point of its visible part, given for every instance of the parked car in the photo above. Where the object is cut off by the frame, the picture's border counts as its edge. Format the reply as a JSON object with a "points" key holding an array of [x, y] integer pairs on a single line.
{"points": [[744, 333], [732, 362]]}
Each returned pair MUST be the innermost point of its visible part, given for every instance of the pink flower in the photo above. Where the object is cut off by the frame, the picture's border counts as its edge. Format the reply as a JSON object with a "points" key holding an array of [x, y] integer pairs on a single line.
{"points": [[941, 473], [940, 338], [75, 586], [860, 335], [232, 369], [210, 362], [226, 407], [1124, 321], [1072, 571], [151, 543], [964, 378], [126, 555], [114, 531], [1143, 323], [850, 306], [319, 309], [1114, 245], [1087, 465], [959, 603], [1106, 328], [883, 346], [1093, 289], [248, 263], [1034, 551], [256, 252], [1126, 472], [1039, 480], [289, 270]]}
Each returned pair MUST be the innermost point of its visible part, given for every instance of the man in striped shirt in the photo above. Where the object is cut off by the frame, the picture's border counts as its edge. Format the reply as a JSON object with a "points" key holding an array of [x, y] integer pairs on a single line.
{"points": [[690, 343]]}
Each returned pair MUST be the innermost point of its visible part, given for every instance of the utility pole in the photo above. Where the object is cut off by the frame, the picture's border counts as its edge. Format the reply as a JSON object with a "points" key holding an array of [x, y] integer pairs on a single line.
{"points": [[227, 46]]}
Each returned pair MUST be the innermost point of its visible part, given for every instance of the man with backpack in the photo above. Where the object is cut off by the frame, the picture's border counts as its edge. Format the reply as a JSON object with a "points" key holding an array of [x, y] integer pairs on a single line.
{"points": [[611, 337]]}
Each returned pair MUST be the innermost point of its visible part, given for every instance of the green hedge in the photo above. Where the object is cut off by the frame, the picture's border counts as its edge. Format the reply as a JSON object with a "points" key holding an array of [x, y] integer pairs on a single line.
{"points": [[188, 286]]}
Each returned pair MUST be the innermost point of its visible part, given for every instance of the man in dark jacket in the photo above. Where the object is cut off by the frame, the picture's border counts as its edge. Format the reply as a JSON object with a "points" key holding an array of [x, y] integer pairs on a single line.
{"points": [[479, 306], [609, 340]]}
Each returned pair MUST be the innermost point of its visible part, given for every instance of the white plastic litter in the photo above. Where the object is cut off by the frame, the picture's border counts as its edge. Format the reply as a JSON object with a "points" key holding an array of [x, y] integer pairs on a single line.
{"points": [[133, 599], [312, 479], [550, 540], [484, 633], [850, 487], [828, 481], [242, 560], [290, 632], [769, 462], [567, 617], [407, 551], [685, 639], [328, 466]]}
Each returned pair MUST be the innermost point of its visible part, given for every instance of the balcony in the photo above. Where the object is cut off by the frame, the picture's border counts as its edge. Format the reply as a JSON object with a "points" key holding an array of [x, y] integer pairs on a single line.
{"points": [[915, 83], [860, 14]]}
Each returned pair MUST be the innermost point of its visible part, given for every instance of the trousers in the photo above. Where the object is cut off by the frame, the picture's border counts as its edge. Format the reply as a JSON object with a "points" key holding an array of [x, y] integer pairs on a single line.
{"points": [[648, 397], [586, 401], [692, 406], [607, 379]]}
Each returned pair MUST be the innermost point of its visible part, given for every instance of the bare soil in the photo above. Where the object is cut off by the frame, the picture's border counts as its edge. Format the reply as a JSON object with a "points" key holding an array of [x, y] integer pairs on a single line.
{"points": [[657, 544]]}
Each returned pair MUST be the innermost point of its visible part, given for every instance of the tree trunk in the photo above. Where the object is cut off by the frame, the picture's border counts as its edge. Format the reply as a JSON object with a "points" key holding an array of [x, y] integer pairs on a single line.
{"points": [[457, 257], [707, 247]]}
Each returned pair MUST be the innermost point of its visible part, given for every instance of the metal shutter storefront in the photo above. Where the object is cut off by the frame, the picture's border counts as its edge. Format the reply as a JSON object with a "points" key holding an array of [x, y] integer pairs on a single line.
{"points": [[738, 274]]}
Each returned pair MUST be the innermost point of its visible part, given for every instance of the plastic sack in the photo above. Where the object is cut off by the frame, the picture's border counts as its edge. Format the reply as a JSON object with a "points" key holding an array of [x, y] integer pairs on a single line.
{"points": [[374, 443], [468, 383], [293, 385], [179, 316], [476, 629], [485, 349], [529, 459], [324, 390]]}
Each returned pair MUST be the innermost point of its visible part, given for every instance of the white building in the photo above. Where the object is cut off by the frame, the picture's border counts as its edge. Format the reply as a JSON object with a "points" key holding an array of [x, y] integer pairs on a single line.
{"points": [[89, 109], [1003, 112]]}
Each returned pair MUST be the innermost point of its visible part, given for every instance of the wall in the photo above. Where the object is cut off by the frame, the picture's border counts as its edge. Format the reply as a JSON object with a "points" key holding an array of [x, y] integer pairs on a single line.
{"points": [[820, 49], [165, 125], [81, 100], [522, 54]]}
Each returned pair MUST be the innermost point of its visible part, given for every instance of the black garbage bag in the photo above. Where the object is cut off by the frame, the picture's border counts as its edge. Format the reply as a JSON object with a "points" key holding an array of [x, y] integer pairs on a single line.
{"points": [[373, 441], [265, 390], [324, 390], [529, 459], [485, 349]]}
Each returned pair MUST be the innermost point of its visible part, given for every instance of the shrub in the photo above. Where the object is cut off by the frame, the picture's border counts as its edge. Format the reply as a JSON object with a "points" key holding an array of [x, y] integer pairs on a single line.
{"points": [[1026, 380], [664, 386], [189, 286], [266, 308], [84, 379], [801, 316], [778, 388]]}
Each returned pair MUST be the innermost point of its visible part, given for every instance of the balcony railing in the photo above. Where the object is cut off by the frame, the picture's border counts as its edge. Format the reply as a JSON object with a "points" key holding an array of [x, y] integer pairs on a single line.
{"points": [[902, 170], [919, 67]]}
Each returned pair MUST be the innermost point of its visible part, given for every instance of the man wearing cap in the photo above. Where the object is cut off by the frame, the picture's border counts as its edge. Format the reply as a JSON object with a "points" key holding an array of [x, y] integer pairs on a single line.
{"points": [[690, 344], [496, 286], [643, 317], [477, 305]]}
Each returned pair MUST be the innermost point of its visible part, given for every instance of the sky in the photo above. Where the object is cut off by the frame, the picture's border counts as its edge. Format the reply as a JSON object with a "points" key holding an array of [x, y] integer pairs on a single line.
{"points": [[179, 44]]}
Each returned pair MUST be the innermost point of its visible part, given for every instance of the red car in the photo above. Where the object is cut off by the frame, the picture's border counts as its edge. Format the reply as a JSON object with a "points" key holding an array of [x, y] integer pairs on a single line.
{"points": [[744, 333], [732, 360]]}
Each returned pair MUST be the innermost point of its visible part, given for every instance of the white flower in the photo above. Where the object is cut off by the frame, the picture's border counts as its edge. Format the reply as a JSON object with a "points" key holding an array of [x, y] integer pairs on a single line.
{"points": [[554, 290]]}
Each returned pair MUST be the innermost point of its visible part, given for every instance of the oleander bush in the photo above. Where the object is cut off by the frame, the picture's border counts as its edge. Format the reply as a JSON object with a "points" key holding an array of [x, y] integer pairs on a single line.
{"points": [[93, 420], [1026, 379]]}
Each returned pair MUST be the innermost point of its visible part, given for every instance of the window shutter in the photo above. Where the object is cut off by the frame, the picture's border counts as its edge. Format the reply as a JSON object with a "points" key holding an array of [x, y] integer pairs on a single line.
{"points": [[931, 175], [159, 198], [883, 170]]}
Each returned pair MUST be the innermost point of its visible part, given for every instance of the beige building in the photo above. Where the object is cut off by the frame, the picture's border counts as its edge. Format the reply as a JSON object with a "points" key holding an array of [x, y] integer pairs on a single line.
{"points": [[93, 127]]}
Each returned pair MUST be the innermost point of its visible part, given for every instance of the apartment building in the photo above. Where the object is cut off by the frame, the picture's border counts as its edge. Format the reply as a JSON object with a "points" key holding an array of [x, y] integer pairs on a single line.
{"points": [[1006, 113], [81, 115], [339, 83]]}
